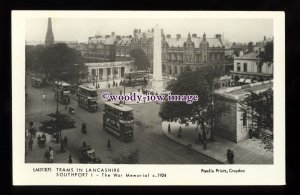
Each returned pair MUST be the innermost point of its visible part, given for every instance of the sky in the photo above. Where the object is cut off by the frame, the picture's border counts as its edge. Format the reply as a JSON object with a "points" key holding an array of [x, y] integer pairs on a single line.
{"points": [[79, 29]]}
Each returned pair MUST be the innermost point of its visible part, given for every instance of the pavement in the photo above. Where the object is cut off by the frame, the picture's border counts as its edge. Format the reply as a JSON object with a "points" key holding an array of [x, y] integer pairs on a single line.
{"points": [[250, 151], [37, 153]]}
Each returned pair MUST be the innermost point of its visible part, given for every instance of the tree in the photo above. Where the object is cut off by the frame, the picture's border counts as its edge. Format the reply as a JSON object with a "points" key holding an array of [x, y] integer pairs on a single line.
{"points": [[140, 59], [33, 57], [267, 54], [60, 61], [203, 112], [259, 109], [60, 122], [249, 107]]}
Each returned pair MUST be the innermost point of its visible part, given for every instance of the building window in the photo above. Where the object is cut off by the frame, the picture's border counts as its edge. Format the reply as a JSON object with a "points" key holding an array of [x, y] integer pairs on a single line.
{"points": [[238, 67], [244, 119], [245, 67]]}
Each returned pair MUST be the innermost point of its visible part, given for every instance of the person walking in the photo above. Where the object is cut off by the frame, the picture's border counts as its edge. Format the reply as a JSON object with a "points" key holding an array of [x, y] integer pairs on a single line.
{"points": [[30, 143], [83, 128], [250, 133], [65, 141], [231, 157], [43, 136], [228, 155], [47, 155], [44, 96], [84, 144], [108, 144], [169, 128], [179, 132], [51, 154], [70, 160]]}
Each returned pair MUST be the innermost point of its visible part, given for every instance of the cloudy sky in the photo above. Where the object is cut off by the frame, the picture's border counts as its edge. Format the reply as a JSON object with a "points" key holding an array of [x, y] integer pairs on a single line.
{"points": [[77, 29]]}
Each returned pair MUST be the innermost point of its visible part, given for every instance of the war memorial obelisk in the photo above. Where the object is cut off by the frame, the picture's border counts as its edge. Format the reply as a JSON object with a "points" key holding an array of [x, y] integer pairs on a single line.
{"points": [[157, 81]]}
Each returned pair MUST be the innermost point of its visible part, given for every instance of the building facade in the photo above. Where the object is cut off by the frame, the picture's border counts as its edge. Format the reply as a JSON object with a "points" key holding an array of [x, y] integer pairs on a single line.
{"points": [[248, 69], [234, 125], [179, 54], [106, 71]]}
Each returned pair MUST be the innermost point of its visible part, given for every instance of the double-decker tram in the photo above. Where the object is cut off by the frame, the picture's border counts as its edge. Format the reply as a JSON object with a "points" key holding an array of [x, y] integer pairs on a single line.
{"points": [[118, 120], [62, 92], [37, 82], [136, 78], [87, 98]]}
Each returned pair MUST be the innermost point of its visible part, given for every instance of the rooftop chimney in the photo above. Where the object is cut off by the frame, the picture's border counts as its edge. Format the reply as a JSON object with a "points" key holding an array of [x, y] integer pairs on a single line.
{"points": [[112, 34], [152, 30], [178, 36], [194, 35], [265, 38], [168, 36]]}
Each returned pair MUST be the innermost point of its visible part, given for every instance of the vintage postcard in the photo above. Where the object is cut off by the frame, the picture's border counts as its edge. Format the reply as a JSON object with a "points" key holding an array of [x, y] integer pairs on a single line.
{"points": [[148, 98]]}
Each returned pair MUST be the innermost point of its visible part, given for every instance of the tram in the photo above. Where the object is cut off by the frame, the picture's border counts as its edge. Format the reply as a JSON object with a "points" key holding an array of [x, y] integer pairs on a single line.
{"points": [[37, 82], [87, 98], [136, 78], [62, 92], [118, 120]]}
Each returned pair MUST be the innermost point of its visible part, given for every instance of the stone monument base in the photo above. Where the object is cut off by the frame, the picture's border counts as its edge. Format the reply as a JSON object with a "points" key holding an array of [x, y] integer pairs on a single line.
{"points": [[157, 86]]}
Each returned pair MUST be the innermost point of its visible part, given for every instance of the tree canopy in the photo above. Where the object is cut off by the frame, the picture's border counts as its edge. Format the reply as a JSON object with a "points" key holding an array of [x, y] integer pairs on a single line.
{"points": [[140, 59], [199, 83], [259, 109], [57, 61], [267, 54], [58, 122]]}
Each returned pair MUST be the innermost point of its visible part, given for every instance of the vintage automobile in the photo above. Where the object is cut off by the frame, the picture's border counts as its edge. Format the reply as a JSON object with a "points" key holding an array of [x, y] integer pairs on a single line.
{"points": [[87, 155]]}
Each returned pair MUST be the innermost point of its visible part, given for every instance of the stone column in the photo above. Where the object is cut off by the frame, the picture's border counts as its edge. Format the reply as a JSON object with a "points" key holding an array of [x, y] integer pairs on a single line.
{"points": [[157, 82], [104, 73]]}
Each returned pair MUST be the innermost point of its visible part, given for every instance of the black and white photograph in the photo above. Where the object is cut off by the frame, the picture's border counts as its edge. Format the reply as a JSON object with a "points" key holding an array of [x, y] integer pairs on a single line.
{"points": [[119, 89]]}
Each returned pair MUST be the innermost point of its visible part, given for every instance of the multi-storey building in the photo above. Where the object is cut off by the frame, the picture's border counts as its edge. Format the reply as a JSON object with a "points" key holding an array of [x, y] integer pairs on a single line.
{"points": [[101, 48], [191, 53], [178, 54], [250, 67]]}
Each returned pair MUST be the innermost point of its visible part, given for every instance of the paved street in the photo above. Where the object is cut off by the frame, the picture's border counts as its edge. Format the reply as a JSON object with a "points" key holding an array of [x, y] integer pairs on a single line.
{"points": [[154, 147]]}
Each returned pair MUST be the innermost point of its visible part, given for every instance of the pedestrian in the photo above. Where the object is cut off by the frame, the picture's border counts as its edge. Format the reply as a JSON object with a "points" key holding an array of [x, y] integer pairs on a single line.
{"points": [[228, 155], [84, 144], [179, 132], [66, 107], [26, 133], [83, 128], [108, 144], [43, 136], [30, 124], [114, 84], [65, 141], [51, 155], [70, 160], [30, 143], [47, 155], [199, 137], [231, 157], [250, 133], [44, 96], [169, 128]]}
